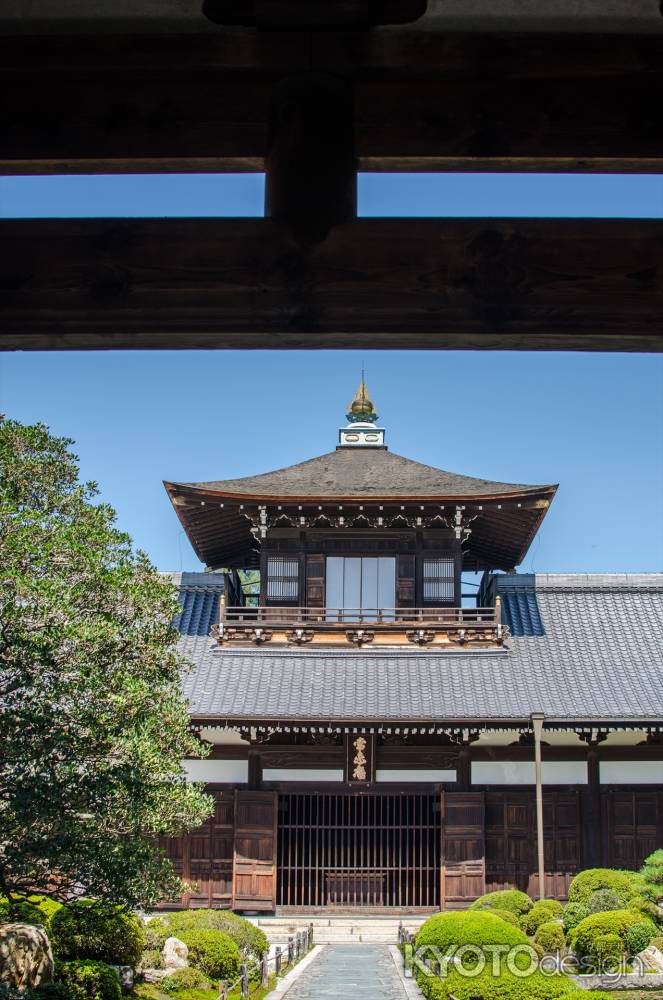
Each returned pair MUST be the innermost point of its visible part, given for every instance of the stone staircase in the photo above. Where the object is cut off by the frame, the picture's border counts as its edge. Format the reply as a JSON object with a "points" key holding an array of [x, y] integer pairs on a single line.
{"points": [[337, 929]]}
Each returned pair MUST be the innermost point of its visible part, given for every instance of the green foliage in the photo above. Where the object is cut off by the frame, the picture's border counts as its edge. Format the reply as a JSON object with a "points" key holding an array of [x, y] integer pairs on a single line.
{"points": [[572, 914], [652, 870], [602, 901], [19, 910], [504, 899], [89, 981], [467, 927], [506, 986], [607, 952], [48, 991], [93, 724], [550, 937], [624, 884], [542, 912], [156, 932], [249, 939], [585, 935], [184, 979], [48, 907], [639, 936], [150, 959], [213, 953], [85, 929], [507, 915]]}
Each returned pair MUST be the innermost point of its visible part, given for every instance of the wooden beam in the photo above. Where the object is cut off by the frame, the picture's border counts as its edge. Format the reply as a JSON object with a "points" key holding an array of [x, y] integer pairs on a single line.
{"points": [[423, 101], [381, 283]]}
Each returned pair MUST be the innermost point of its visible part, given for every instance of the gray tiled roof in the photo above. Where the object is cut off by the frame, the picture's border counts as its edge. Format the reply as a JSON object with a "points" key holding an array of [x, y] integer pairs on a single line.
{"points": [[364, 473], [600, 659]]}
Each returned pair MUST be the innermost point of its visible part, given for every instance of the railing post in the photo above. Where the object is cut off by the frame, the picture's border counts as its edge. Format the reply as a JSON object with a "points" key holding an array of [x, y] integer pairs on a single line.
{"points": [[223, 990], [310, 935], [245, 980], [291, 950], [400, 932], [277, 960], [264, 971]]}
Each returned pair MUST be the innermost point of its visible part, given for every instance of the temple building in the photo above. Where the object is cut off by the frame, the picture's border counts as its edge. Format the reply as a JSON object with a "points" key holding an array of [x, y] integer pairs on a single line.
{"points": [[380, 739]]}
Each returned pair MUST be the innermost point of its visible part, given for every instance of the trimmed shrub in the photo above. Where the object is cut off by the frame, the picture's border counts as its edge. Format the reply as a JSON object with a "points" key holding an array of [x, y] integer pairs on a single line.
{"points": [[249, 939], [506, 986], [589, 930], [184, 979], [468, 927], [156, 931], [510, 918], [86, 929], [213, 953], [550, 937], [607, 952], [652, 871], [639, 936], [47, 906], [88, 980], [541, 913], [504, 899], [572, 914], [48, 991], [24, 912], [150, 959], [624, 884], [602, 901]]}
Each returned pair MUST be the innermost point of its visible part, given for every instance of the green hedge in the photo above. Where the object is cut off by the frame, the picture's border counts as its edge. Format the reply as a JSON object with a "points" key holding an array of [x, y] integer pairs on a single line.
{"points": [[550, 937], [626, 885], [510, 918], [23, 912], [468, 927], [184, 979], [89, 980], [572, 914], [213, 953], [541, 913], [249, 939], [504, 899], [85, 929], [585, 936], [639, 936], [506, 986]]}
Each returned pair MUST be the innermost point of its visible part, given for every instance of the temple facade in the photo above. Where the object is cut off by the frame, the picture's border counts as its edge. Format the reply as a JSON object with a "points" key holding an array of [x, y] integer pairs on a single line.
{"points": [[381, 739]]}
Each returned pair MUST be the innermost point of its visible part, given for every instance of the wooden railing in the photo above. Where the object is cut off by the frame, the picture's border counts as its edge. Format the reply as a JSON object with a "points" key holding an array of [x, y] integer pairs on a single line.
{"points": [[291, 625], [256, 975]]}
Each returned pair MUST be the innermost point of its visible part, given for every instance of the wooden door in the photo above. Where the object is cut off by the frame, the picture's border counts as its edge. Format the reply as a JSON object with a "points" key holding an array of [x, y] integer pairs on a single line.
{"points": [[632, 825], [463, 867], [254, 856], [204, 856], [510, 840]]}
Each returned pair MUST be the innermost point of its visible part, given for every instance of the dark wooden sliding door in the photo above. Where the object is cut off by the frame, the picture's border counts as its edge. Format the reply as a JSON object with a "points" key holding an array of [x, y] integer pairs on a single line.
{"points": [[463, 869], [254, 859]]}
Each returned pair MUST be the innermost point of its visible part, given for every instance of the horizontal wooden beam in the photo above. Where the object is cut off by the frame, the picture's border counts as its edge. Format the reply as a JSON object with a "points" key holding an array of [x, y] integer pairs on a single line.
{"points": [[422, 101], [379, 283]]}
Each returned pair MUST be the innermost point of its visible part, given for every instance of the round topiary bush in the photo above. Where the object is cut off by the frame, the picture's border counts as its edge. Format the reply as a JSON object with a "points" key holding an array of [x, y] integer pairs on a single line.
{"points": [[602, 901], [504, 899], [468, 927], [87, 980], [184, 979], [20, 911], [541, 913], [86, 929], [249, 939], [584, 937], [550, 937], [572, 914], [639, 936], [213, 953], [47, 907], [624, 884]]}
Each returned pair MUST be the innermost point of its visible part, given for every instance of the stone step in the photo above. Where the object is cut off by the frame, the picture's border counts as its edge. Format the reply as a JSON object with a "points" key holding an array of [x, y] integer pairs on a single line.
{"points": [[338, 930]]}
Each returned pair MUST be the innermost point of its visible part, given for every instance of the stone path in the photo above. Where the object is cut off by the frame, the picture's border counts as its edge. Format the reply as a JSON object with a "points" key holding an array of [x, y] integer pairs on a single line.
{"points": [[354, 971]]}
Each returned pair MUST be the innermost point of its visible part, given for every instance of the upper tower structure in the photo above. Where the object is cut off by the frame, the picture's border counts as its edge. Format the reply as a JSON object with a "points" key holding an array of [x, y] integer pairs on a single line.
{"points": [[362, 430]]}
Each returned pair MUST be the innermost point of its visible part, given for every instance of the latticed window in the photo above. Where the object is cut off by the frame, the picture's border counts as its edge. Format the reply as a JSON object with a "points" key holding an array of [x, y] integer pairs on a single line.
{"points": [[439, 579], [282, 578]]}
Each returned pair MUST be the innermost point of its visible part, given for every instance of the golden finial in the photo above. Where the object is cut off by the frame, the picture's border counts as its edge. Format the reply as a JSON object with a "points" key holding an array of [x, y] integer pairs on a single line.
{"points": [[362, 407]]}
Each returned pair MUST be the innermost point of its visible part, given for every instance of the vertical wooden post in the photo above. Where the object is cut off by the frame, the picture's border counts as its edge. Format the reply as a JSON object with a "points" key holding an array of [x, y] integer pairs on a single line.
{"points": [[291, 950], [245, 981], [264, 971], [310, 168], [537, 725], [277, 960]]}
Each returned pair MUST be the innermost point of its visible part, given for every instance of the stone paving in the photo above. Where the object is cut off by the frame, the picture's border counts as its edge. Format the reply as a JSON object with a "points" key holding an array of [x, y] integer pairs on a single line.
{"points": [[354, 971]]}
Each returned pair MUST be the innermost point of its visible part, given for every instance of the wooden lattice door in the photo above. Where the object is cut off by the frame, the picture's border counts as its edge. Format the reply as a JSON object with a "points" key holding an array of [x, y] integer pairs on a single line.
{"points": [[463, 868], [254, 856]]}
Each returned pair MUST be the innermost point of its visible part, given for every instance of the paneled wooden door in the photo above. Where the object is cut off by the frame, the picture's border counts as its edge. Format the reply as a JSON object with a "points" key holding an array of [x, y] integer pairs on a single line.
{"points": [[632, 825], [463, 849], [254, 855]]}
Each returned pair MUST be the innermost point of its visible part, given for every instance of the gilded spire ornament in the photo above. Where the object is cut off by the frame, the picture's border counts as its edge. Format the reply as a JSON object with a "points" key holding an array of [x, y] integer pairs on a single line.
{"points": [[362, 407]]}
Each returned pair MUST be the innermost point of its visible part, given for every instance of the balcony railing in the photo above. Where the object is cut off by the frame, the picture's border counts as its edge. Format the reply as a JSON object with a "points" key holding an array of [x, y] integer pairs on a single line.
{"points": [[298, 626]]}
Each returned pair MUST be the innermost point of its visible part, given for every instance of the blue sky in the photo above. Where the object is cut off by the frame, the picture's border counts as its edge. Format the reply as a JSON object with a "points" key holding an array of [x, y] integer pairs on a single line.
{"points": [[592, 422]]}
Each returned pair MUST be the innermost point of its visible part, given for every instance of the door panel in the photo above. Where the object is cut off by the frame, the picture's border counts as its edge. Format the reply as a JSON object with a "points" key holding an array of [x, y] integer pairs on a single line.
{"points": [[254, 857], [463, 869]]}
